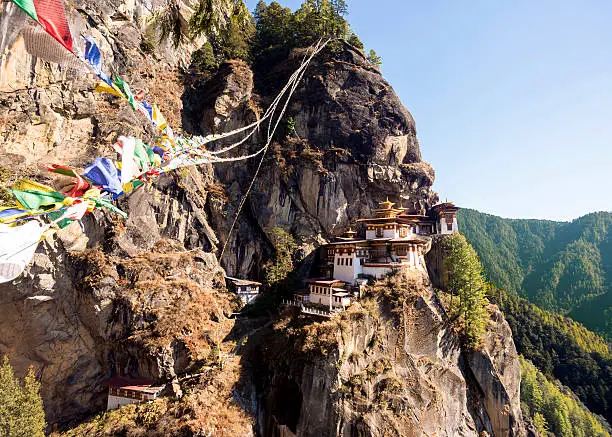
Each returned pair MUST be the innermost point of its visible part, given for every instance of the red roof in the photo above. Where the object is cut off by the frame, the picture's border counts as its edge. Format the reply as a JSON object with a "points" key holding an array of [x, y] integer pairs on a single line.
{"points": [[141, 385]]}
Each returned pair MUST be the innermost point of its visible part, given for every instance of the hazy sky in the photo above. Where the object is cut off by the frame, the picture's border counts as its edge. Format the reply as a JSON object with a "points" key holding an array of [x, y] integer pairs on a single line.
{"points": [[512, 100]]}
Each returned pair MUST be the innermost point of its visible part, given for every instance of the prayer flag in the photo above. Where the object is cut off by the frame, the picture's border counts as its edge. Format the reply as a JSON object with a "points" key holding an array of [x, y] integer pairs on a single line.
{"points": [[17, 247], [51, 16], [94, 58]]}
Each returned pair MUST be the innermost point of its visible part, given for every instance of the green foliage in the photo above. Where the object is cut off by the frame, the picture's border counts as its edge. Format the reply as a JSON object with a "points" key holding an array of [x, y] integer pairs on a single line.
{"points": [[279, 30], [5, 194], [147, 45], [562, 348], [553, 409], [291, 127], [374, 59], [168, 21], [560, 266], [354, 40], [466, 281], [21, 407], [208, 19], [277, 270], [204, 60]]}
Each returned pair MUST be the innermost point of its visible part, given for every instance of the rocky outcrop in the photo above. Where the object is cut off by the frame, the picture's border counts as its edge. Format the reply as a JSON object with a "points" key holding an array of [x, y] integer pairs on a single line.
{"points": [[144, 296], [391, 365], [354, 145]]}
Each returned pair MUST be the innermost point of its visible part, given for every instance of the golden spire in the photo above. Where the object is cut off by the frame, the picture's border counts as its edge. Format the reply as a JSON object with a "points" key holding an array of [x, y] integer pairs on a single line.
{"points": [[386, 204]]}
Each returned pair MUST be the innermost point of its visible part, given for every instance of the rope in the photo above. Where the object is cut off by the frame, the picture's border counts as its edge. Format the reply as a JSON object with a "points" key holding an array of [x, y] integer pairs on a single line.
{"points": [[318, 47]]}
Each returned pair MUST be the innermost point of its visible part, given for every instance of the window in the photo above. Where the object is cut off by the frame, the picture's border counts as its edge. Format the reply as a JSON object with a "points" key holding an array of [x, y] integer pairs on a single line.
{"points": [[350, 261], [339, 261], [402, 232], [379, 232], [449, 226]]}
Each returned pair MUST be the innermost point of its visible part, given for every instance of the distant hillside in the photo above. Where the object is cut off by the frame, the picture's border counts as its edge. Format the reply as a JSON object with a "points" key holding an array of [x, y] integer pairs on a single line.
{"points": [[560, 266], [561, 349]]}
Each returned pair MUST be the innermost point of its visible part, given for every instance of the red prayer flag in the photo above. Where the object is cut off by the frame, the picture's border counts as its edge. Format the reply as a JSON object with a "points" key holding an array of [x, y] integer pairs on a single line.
{"points": [[52, 18]]}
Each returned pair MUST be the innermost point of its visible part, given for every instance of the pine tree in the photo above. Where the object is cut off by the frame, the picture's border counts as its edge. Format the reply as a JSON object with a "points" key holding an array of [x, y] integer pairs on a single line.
{"points": [[21, 407], [466, 281], [374, 59]]}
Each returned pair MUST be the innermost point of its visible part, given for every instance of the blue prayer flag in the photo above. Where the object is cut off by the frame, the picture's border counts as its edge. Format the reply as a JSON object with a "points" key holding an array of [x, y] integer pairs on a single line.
{"points": [[94, 58]]}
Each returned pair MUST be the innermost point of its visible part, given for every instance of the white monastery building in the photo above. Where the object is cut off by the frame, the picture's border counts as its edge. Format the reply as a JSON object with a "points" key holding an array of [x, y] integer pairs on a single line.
{"points": [[394, 240]]}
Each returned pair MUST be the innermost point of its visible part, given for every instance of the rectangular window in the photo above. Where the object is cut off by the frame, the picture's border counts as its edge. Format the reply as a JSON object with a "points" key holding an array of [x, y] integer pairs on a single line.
{"points": [[338, 261], [350, 261], [449, 226], [379, 232]]}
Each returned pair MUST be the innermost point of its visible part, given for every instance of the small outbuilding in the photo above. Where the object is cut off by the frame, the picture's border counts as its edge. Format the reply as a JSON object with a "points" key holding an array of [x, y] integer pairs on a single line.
{"points": [[246, 289], [123, 391]]}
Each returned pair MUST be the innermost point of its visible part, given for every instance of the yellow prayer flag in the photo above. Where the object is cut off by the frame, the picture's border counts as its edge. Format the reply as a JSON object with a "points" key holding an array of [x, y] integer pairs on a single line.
{"points": [[103, 87], [28, 185], [158, 118]]}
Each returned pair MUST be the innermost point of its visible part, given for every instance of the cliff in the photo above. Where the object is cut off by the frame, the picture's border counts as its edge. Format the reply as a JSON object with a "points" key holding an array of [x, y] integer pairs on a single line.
{"points": [[391, 365], [145, 296]]}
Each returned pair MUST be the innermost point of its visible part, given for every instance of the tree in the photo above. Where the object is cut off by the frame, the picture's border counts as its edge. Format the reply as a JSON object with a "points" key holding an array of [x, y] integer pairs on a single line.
{"points": [[21, 407], [354, 40], [277, 270], [466, 281], [374, 59]]}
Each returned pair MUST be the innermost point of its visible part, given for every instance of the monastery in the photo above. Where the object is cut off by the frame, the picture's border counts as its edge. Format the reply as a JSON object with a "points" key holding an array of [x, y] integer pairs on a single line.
{"points": [[394, 240]]}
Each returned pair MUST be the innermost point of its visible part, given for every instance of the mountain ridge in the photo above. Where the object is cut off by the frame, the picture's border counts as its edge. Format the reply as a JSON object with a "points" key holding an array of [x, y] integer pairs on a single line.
{"points": [[561, 266]]}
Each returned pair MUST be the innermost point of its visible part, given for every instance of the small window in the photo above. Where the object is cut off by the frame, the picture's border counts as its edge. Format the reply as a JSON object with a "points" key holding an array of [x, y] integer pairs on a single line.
{"points": [[449, 226], [350, 261], [338, 261]]}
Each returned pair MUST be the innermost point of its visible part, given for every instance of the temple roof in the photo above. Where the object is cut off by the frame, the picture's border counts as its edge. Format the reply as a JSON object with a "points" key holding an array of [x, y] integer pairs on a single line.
{"points": [[141, 385], [396, 219], [445, 206], [237, 281], [324, 281], [348, 242], [386, 204]]}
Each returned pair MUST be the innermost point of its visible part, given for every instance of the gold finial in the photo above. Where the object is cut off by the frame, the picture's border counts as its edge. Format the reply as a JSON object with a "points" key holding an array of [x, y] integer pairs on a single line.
{"points": [[386, 204]]}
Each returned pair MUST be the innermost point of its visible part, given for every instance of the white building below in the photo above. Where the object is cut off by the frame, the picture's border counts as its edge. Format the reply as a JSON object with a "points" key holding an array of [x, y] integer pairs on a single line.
{"points": [[247, 290], [329, 293], [124, 391]]}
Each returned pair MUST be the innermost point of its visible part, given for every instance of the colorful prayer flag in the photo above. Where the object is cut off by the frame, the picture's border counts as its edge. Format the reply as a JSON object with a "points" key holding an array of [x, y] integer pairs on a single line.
{"points": [[51, 16], [94, 58]]}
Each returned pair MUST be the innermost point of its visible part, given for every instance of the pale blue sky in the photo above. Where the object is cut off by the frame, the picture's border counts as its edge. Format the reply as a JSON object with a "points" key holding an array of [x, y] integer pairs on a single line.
{"points": [[512, 99]]}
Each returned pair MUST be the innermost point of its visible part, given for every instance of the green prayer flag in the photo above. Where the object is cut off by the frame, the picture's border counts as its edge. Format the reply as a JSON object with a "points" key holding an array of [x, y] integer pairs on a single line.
{"points": [[57, 214], [28, 7], [125, 89], [141, 155], [32, 199], [107, 204]]}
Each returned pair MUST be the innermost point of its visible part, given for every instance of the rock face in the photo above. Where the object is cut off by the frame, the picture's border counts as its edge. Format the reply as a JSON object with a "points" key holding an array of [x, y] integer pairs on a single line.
{"points": [[354, 145], [389, 366], [144, 296]]}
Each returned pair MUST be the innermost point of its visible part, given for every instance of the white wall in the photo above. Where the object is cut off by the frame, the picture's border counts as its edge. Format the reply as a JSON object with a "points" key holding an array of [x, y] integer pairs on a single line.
{"points": [[115, 402], [247, 298], [377, 272], [390, 233], [370, 235], [344, 272], [443, 227], [323, 299]]}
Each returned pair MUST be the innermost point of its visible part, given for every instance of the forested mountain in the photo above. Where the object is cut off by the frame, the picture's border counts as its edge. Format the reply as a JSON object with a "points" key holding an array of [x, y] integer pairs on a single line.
{"points": [[560, 266], [561, 349]]}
